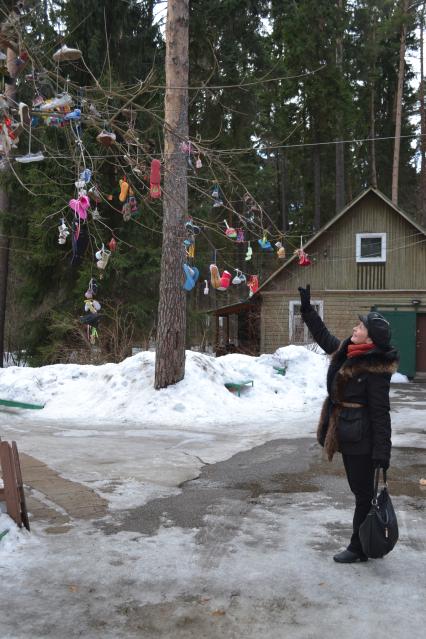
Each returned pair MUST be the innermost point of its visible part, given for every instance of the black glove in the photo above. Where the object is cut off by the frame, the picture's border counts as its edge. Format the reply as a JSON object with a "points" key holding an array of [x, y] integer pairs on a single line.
{"points": [[381, 463], [305, 298]]}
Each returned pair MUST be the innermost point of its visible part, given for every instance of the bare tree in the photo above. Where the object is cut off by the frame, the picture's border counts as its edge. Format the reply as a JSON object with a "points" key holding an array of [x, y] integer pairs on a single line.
{"points": [[171, 324]]}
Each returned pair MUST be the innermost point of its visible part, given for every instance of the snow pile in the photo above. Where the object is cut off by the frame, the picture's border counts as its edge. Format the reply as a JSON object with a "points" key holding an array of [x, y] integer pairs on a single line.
{"points": [[14, 538], [399, 378], [124, 392]]}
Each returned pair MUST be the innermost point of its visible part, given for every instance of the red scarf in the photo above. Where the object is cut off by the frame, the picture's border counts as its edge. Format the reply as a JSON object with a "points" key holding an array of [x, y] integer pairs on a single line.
{"points": [[354, 350]]}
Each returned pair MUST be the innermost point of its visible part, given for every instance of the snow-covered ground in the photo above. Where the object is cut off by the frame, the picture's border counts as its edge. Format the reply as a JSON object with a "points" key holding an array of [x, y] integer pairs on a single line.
{"points": [[107, 428], [108, 423], [124, 392]]}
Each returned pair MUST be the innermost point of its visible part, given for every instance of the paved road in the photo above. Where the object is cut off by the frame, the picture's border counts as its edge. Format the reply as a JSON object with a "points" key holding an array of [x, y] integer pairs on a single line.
{"points": [[243, 551]]}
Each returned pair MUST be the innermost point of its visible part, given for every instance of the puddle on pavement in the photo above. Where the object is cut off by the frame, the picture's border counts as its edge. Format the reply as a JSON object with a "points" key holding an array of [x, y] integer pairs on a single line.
{"points": [[281, 483], [272, 468]]}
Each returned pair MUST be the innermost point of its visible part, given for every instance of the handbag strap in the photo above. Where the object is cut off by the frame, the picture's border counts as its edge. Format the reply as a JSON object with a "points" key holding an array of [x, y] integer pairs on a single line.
{"points": [[376, 484]]}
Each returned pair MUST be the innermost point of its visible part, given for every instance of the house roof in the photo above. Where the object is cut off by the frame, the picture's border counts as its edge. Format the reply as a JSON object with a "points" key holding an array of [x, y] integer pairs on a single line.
{"points": [[337, 217], [233, 308]]}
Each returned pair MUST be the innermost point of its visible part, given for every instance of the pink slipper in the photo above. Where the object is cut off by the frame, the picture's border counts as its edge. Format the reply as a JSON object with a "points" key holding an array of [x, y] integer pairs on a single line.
{"points": [[80, 206]]}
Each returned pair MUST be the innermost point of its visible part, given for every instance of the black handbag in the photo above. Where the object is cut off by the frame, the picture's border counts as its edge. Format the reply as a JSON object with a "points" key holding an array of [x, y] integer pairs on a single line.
{"points": [[379, 531]]}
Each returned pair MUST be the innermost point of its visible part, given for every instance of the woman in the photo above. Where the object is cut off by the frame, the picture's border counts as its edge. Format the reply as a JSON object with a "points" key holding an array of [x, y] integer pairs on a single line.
{"points": [[355, 417]]}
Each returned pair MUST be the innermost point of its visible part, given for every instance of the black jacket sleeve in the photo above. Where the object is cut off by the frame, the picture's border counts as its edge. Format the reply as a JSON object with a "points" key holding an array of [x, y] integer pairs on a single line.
{"points": [[319, 331], [378, 387]]}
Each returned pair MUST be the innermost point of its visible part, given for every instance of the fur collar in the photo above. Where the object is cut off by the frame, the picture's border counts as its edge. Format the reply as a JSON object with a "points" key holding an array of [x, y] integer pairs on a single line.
{"points": [[374, 361]]}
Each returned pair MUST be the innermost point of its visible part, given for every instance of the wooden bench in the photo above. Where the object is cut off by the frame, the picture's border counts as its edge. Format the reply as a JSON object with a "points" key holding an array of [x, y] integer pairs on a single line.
{"points": [[13, 404], [238, 386]]}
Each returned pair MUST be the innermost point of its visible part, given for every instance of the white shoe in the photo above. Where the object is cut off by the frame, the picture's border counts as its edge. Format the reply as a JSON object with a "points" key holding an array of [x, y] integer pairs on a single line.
{"points": [[66, 53], [60, 101], [24, 114], [30, 157]]}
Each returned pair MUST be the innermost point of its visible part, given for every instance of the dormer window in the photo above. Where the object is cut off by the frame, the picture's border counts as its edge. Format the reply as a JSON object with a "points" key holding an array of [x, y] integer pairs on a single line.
{"points": [[371, 247]]}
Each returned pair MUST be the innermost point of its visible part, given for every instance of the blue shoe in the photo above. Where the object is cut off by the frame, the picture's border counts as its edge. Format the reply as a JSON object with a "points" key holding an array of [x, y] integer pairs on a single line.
{"points": [[265, 244], [192, 274], [73, 115]]}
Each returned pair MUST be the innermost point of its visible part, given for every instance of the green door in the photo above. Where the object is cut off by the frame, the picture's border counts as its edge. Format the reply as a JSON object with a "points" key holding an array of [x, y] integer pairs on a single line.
{"points": [[403, 325]]}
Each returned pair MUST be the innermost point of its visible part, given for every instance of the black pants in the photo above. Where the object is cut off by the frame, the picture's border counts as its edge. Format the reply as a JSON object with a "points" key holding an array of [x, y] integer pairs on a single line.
{"points": [[360, 474]]}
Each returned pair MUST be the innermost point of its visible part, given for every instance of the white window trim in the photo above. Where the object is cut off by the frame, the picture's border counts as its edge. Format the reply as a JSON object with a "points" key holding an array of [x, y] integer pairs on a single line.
{"points": [[294, 303], [359, 237]]}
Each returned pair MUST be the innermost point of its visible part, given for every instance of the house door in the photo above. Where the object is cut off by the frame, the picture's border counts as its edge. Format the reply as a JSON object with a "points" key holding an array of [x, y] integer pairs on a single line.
{"points": [[403, 327], [421, 344]]}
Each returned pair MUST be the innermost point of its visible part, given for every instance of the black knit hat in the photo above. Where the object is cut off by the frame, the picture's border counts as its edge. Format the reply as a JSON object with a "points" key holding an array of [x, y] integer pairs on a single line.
{"points": [[378, 328]]}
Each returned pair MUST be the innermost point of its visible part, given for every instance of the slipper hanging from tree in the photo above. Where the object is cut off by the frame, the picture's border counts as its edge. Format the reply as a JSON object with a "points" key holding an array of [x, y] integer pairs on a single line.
{"points": [[253, 284], [303, 257], [230, 231], [280, 250], [264, 243], [66, 54], [191, 275], [225, 281], [155, 179], [214, 276], [216, 196]]}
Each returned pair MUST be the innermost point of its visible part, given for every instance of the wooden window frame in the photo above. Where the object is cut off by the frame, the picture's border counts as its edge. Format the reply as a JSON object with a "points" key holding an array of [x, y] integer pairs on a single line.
{"points": [[319, 304], [366, 260]]}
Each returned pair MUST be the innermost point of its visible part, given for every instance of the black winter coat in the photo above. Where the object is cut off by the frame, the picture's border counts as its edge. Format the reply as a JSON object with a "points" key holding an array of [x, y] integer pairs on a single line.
{"points": [[362, 380]]}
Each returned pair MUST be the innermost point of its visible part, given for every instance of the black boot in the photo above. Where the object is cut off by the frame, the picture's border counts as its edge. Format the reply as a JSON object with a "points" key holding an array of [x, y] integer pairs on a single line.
{"points": [[349, 557]]}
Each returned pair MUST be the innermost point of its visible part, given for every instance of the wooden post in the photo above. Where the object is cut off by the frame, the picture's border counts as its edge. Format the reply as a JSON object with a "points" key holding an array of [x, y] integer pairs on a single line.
{"points": [[13, 491], [171, 323], [10, 482], [20, 485]]}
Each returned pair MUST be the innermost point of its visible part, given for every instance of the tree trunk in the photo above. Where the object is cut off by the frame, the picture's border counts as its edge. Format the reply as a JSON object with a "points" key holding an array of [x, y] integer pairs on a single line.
{"points": [[10, 94], [4, 271], [421, 208], [398, 116], [340, 150], [373, 167], [282, 182], [171, 323], [317, 179]]}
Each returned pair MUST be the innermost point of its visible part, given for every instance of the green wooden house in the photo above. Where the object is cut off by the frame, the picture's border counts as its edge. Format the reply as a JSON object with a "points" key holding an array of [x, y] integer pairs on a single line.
{"points": [[370, 256]]}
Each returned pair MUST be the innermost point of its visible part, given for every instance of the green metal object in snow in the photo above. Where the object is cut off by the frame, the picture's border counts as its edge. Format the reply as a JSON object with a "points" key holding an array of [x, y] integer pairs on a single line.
{"points": [[238, 386], [10, 402], [4, 533], [281, 370]]}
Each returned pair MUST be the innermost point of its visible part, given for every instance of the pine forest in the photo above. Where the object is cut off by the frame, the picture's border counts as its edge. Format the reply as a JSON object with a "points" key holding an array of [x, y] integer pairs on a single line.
{"points": [[283, 112]]}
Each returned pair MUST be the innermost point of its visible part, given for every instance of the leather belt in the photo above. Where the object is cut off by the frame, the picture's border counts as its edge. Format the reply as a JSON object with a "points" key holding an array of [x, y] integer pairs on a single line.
{"points": [[350, 405]]}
